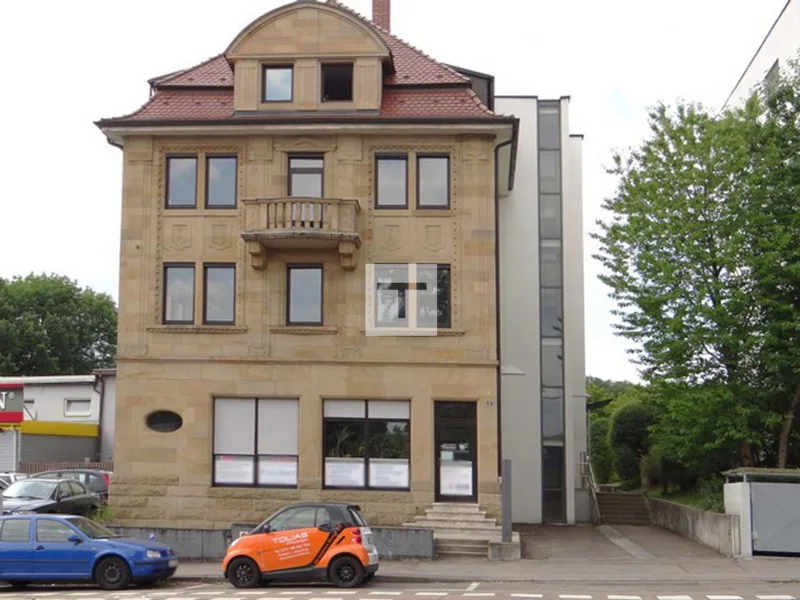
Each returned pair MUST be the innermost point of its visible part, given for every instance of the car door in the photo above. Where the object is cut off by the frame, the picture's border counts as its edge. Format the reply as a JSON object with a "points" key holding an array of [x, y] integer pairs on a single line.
{"points": [[65, 499], [293, 540], [58, 556], [16, 549]]}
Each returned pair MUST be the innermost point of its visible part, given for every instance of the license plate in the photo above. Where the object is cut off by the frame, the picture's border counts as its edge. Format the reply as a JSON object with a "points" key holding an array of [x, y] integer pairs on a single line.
{"points": [[173, 562]]}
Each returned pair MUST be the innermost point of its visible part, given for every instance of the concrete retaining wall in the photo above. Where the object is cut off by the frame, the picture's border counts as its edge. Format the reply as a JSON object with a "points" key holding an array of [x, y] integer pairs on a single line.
{"points": [[715, 530], [210, 544]]}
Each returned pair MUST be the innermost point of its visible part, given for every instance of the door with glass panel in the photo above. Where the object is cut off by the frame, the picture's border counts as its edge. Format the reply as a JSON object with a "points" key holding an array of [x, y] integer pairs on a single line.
{"points": [[455, 440]]}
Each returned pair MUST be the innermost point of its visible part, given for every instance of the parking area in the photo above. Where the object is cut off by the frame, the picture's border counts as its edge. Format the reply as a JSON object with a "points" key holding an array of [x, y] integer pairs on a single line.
{"points": [[617, 542]]}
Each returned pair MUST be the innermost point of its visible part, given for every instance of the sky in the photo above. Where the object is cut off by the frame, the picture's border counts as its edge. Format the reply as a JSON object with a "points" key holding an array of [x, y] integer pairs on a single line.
{"points": [[72, 63]]}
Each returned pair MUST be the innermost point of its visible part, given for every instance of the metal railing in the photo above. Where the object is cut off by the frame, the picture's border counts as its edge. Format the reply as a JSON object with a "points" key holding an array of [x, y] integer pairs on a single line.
{"points": [[591, 483]]}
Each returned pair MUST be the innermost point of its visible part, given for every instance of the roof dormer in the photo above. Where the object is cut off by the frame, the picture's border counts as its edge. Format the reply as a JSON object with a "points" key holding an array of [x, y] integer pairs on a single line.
{"points": [[308, 56]]}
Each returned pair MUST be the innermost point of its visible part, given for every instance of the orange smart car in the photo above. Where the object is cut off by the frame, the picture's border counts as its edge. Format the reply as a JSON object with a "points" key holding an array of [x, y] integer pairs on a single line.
{"points": [[324, 541]]}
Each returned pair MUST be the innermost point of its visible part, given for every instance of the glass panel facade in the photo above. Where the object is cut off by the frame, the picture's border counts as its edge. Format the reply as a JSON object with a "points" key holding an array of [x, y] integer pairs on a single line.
{"points": [[551, 281]]}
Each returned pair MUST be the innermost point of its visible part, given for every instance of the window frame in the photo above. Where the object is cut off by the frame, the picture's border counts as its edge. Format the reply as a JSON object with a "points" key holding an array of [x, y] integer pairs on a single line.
{"points": [[57, 522], [256, 456], [337, 64], [439, 267], [165, 291], [366, 421], [220, 265], [167, 160], [208, 159], [305, 267], [440, 155], [390, 157], [25, 541], [412, 304], [268, 67], [86, 413], [305, 171]]}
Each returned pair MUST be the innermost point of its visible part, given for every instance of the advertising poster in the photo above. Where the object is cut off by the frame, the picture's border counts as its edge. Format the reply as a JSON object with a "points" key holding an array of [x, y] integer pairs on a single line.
{"points": [[277, 470], [455, 478], [344, 472], [388, 472], [234, 469]]}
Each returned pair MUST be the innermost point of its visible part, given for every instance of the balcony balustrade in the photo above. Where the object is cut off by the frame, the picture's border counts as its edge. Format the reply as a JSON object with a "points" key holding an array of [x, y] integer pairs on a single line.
{"points": [[295, 223]]}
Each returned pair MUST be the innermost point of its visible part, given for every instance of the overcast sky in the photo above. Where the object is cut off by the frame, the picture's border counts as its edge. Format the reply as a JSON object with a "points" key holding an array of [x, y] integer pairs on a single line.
{"points": [[67, 64]]}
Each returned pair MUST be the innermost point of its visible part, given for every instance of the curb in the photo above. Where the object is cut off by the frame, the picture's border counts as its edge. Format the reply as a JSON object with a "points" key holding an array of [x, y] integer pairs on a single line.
{"points": [[572, 581]]}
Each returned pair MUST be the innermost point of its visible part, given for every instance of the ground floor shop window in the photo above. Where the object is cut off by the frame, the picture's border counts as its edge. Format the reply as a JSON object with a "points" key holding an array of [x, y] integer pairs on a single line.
{"points": [[255, 442], [367, 444]]}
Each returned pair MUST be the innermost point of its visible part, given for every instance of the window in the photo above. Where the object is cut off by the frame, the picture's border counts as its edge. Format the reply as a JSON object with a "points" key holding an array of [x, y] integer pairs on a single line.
{"points": [[552, 313], [366, 444], [277, 84], [391, 182], [219, 294], [181, 181], [179, 294], [552, 365], [220, 182], [76, 489], [15, 530], [77, 407], [550, 265], [64, 491], [164, 421], [549, 171], [550, 216], [552, 415], [301, 517], [428, 308], [305, 176], [48, 530], [433, 304], [433, 181], [255, 442], [337, 83], [304, 295]]}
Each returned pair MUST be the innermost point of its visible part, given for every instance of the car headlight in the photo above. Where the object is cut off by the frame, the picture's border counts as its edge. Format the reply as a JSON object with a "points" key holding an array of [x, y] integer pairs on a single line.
{"points": [[153, 554]]}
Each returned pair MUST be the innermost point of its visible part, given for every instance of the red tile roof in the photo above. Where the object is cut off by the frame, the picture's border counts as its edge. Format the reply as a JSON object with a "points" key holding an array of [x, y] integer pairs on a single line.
{"points": [[448, 94]]}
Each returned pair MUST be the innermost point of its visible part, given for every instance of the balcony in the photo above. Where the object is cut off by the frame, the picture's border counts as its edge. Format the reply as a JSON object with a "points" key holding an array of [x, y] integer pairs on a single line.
{"points": [[301, 224]]}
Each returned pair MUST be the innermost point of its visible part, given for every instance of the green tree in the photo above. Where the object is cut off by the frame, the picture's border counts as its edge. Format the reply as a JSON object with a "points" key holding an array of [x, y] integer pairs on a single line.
{"points": [[630, 439], [51, 326], [602, 455], [674, 252]]}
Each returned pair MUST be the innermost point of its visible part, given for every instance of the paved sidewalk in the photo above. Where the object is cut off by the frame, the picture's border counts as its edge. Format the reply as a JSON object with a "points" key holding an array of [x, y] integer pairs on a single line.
{"points": [[696, 570]]}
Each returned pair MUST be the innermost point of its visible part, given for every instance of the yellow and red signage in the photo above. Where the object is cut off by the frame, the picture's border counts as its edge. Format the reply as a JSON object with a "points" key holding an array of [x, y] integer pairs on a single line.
{"points": [[11, 403]]}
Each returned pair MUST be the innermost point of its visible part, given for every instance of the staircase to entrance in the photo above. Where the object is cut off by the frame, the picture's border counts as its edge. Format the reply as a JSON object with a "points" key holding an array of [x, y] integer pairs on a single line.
{"points": [[623, 508], [460, 529]]}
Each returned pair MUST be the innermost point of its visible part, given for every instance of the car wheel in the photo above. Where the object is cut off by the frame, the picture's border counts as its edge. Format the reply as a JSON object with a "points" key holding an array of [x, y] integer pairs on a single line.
{"points": [[112, 574], [244, 573], [346, 572]]}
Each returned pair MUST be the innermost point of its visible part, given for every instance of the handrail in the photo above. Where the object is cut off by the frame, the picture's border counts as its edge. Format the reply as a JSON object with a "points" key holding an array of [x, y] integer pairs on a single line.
{"points": [[592, 487]]}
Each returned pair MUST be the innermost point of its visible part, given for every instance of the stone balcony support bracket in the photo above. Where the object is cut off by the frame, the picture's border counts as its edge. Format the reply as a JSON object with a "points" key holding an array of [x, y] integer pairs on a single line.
{"points": [[293, 223]]}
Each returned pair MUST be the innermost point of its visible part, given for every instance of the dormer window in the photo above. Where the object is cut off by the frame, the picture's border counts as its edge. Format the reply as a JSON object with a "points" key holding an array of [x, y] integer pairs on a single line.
{"points": [[277, 83], [337, 82]]}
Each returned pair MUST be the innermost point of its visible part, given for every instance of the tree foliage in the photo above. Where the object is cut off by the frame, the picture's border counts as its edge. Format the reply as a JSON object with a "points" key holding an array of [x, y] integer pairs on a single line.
{"points": [[601, 453], [702, 254], [51, 326]]}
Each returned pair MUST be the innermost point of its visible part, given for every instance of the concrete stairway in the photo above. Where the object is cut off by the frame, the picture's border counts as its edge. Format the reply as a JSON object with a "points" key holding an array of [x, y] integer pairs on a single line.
{"points": [[460, 529], [623, 508]]}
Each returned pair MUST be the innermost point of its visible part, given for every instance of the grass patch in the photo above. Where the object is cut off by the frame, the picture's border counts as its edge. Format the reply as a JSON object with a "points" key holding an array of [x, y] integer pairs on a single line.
{"points": [[707, 495], [104, 514]]}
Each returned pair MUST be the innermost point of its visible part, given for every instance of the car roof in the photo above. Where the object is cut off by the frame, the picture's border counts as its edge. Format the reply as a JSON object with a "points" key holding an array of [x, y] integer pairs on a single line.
{"points": [[49, 479], [325, 504], [40, 516]]}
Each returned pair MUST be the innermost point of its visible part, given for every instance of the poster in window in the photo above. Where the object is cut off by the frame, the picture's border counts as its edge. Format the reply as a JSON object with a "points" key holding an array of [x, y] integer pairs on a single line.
{"points": [[233, 469], [455, 478], [277, 470], [388, 472], [344, 472]]}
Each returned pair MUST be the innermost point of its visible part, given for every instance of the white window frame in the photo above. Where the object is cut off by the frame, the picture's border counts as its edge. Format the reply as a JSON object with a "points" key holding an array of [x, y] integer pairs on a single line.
{"points": [[86, 413]]}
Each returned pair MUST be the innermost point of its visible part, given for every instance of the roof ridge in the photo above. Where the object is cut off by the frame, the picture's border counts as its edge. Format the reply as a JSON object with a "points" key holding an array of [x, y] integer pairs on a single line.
{"points": [[383, 32], [170, 76]]}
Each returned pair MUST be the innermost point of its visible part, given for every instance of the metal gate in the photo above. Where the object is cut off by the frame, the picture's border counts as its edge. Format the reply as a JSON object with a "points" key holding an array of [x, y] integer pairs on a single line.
{"points": [[776, 517], [9, 446]]}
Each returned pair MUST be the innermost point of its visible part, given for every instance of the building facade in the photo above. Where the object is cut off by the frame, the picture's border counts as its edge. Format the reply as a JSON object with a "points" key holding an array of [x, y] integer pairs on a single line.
{"points": [[57, 419], [309, 301], [780, 45]]}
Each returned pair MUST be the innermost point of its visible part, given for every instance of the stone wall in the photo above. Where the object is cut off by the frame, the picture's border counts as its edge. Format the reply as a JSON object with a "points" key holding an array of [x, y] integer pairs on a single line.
{"points": [[715, 530]]}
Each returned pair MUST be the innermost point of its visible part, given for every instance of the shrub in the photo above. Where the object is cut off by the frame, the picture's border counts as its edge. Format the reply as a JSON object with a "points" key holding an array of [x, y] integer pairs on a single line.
{"points": [[602, 455]]}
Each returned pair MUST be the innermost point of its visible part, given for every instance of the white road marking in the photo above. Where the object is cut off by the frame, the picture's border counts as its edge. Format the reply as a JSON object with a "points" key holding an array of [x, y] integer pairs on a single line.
{"points": [[575, 597], [674, 597], [724, 597], [83, 594], [295, 593], [212, 593], [326, 599], [386, 593], [775, 597], [472, 586], [612, 597], [435, 594], [526, 595], [478, 593]]}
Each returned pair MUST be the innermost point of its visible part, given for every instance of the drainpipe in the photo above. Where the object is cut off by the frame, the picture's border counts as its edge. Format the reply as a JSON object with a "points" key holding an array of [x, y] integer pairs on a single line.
{"points": [[497, 298], [102, 391]]}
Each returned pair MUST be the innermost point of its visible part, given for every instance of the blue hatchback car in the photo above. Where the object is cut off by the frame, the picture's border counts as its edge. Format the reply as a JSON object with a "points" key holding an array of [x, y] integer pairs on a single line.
{"points": [[50, 548]]}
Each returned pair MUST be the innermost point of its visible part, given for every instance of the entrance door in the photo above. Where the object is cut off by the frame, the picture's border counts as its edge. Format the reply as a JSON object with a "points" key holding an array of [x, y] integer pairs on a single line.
{"points": [[456, 451]]}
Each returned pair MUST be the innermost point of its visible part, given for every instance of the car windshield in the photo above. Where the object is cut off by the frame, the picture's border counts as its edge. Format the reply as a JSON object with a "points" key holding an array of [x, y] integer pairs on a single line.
{"points": [[29, 489], [91, 529]]}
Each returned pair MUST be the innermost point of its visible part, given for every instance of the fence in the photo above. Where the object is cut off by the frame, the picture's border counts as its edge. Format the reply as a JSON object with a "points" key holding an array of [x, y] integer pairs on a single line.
{"points": [[38, 467]]}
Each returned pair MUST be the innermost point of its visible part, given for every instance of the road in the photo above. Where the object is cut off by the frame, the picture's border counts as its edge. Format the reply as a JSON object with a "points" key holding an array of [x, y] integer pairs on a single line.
{"points": [[394, 591]]}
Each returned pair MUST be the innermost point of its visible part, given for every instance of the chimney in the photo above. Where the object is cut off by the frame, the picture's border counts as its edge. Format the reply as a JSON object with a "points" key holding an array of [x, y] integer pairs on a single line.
{"points": [[382, 13]]}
